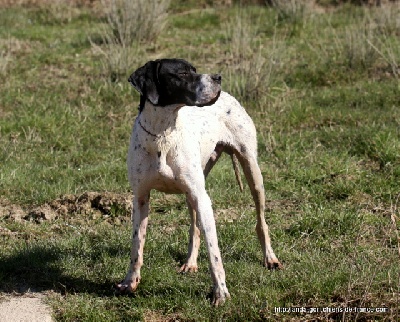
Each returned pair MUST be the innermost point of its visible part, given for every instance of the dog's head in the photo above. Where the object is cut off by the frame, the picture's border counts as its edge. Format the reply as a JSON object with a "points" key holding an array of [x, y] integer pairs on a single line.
{"points": [[174, 81]]}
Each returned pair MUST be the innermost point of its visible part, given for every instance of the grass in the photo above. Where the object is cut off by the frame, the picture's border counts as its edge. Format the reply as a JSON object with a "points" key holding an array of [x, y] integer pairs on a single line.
{"points": [[129, 23], [329, 141]]}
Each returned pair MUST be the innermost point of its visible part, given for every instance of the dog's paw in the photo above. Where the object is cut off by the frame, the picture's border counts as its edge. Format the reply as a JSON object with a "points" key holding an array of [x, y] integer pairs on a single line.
{"points": [[220, 294], [272, 264], [191, 268], [127, 286]]}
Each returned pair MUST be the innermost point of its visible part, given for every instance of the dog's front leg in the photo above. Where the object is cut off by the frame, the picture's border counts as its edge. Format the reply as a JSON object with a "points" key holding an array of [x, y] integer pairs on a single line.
{"points": [[201, 204], [140, 213]]}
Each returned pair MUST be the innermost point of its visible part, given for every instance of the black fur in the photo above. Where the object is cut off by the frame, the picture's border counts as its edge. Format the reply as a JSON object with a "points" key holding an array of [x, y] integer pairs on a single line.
{"points": [[169, 81]]}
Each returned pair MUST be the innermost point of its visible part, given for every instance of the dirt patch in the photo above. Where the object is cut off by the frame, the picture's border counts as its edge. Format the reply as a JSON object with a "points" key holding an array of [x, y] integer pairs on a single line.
{"points": [[228, 215], [92, 204], [29, 307], [157, 316], [15, 46]]}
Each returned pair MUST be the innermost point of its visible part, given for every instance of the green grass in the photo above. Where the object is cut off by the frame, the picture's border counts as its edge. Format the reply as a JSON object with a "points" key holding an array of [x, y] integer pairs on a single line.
{"points": [[329, 151]]}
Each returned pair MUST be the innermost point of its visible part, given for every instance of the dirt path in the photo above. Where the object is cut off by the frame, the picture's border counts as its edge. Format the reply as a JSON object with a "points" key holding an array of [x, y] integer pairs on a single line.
{"points": [[29, 307]]}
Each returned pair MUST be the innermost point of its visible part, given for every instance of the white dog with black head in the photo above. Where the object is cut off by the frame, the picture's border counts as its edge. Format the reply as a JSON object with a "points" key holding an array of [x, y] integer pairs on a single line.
{"points": [[184, 124]]}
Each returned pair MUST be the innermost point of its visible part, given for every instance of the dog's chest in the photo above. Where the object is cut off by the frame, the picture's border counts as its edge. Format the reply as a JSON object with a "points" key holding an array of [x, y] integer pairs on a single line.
{"points": [[152, 153], [168, 146]]}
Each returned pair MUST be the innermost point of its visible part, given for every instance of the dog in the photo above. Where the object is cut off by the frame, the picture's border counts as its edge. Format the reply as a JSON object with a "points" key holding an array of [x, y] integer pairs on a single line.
{"points": [[184, 124]]}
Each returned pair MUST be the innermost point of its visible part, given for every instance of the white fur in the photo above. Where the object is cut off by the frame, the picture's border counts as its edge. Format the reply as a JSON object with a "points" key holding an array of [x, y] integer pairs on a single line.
{"points": [[206, 90]]}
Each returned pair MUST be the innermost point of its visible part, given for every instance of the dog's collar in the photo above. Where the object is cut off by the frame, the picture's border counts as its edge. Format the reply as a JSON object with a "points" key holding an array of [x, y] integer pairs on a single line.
{"points": [[148, 132], [178, 106]]}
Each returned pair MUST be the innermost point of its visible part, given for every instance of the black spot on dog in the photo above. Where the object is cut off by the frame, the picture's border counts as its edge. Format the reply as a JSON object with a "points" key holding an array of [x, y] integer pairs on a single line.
{"points": [[216, 259], [159, 153], [243, 148], [228, 112]]}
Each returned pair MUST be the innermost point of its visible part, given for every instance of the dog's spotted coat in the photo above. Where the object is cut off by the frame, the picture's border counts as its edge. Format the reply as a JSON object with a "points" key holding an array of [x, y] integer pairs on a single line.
{"points": [[184, 125]]}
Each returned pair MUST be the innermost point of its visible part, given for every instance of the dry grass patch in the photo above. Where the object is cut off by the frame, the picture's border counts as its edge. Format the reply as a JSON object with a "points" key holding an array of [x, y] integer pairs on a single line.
{"points": [[158, 316], [5, 58], [38, 3], [129, 24], [250, 64]]}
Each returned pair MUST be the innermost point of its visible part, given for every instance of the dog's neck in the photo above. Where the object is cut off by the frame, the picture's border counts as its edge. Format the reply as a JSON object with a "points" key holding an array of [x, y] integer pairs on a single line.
{"points": [[158, 121]]}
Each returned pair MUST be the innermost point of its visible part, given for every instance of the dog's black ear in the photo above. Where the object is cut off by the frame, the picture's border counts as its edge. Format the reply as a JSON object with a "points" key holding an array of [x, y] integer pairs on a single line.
{"points": [[145, 80]]}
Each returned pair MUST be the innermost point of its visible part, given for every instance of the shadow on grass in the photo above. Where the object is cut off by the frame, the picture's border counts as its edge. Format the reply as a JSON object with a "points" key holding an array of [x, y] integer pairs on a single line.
{"points": [[38, 268], [178, 255]]}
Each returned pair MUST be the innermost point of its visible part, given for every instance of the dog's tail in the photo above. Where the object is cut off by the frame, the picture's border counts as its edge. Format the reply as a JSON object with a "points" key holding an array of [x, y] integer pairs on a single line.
{"points": [[235, 163]]}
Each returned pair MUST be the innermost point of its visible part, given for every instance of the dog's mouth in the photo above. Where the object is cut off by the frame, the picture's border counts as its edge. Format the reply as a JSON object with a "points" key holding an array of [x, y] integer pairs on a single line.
{"points": [[212, 101]]}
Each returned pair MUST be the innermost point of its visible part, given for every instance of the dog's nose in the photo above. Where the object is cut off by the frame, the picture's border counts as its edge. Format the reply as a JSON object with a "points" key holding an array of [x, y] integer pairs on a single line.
{"points": [[217, 78]]}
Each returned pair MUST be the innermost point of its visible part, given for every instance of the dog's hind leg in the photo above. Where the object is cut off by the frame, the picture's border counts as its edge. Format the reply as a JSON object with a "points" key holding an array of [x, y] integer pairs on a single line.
{"points": [[237, 171], [139, 222], [194, 242], [255, 181]]}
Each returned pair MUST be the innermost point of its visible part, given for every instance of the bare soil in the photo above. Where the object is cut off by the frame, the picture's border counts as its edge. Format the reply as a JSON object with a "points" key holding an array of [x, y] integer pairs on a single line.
{"points": [[92, 204], [29, 307]]}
